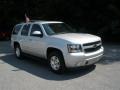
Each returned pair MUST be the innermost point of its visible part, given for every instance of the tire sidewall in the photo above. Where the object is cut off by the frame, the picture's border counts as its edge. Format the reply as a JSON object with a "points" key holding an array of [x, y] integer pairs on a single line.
{"points": [[61, 60]]}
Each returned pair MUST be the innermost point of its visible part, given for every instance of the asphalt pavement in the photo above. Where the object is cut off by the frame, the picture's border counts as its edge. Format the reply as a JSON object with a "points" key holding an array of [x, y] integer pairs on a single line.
{"points": [[30, 74]]}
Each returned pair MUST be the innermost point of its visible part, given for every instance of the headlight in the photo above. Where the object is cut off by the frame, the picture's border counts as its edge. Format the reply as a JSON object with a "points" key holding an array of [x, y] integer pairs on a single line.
{"points": [[74, 48]]}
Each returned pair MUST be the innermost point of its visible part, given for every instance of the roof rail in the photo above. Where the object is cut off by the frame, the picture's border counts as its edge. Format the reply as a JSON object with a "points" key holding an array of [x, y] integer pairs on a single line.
{"points": [[32, 21]]}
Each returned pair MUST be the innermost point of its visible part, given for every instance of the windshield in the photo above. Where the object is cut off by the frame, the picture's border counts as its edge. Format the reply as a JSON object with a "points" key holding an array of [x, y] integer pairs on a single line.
{"points": [[57, 28]]}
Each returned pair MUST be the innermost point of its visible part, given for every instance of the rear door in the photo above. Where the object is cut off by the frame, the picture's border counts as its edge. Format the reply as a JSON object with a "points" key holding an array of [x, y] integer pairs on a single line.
{"points": [[24, 38]]}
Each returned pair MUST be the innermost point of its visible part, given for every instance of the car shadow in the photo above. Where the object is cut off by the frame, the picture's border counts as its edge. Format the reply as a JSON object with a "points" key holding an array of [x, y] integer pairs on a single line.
{"points": [[40, 68]]}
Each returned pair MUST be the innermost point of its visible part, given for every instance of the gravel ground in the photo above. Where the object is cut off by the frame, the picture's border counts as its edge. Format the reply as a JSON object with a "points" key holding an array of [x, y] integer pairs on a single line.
{"points": [[29, 74]]}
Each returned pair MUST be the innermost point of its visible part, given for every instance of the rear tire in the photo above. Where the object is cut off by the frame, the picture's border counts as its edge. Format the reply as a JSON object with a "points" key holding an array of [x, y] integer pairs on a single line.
{"points": [[18, 52], [56, 62]]}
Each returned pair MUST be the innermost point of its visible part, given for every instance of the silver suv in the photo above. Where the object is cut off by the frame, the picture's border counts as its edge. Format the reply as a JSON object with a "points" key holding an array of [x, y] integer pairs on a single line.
{"points": [[56, 42]]}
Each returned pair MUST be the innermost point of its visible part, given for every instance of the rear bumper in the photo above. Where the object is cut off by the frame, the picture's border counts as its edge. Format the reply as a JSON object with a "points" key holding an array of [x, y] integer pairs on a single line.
{"points": [[81, 59]]}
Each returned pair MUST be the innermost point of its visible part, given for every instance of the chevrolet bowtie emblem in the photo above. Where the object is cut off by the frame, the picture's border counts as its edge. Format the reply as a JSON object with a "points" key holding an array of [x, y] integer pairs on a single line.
{"points": [[94, 46]]}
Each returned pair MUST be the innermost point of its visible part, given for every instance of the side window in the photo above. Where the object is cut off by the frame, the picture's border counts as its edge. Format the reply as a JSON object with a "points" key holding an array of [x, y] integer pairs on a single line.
{"points": [[25, 30], [35, 27], [16, 29]]}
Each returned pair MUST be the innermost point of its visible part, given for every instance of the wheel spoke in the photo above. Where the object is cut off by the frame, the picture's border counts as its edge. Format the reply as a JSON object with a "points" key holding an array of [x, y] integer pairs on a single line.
{"points": [[55, 63]]}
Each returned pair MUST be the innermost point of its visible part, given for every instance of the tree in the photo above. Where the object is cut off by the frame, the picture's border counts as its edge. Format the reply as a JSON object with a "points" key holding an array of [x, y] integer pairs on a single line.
{"points": [[90, 14]]}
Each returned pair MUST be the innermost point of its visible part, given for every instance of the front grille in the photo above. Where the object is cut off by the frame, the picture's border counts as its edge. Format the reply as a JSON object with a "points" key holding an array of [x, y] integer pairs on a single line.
{"points": [[92, 43], [92, 47]]}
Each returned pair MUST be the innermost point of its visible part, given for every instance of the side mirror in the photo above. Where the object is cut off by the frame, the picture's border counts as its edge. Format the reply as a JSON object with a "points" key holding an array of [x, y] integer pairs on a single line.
{"points": [[37, 33]]}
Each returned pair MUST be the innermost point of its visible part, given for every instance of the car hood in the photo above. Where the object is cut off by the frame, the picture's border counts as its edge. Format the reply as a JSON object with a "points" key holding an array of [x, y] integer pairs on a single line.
{"points": [[78, 38]]}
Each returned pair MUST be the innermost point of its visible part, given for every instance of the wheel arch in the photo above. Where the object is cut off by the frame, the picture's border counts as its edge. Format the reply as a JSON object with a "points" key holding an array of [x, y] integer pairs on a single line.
{"points": [[15, 44], [52, 49]]}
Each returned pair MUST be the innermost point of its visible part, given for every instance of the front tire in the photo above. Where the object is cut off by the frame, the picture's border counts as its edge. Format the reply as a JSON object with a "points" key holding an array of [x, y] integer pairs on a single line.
{"points": [[56, 62]]}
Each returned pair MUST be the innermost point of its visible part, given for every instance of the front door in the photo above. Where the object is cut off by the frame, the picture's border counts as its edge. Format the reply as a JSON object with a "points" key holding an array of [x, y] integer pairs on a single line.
{"points": [[37, 43]]}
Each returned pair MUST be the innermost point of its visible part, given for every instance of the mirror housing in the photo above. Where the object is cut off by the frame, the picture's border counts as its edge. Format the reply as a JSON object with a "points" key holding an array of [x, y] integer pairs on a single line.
{"points": [[37, 33]]}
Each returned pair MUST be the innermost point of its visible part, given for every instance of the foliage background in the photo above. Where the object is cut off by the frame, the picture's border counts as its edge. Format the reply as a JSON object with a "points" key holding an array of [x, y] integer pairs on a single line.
{"points": [[94, 16]]}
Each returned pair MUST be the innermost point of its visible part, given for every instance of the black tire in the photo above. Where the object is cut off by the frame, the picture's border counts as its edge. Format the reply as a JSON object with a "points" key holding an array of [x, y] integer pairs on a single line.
{"points": [[59, 56], [18, 52]]}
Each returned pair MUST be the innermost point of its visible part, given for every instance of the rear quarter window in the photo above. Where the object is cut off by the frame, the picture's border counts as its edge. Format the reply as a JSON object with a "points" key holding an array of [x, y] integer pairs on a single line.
{"points": [[16, 29]]}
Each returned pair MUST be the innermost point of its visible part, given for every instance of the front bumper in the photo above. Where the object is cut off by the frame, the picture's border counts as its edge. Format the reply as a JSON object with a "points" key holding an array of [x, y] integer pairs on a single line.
{"points": [[83, 59]]}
